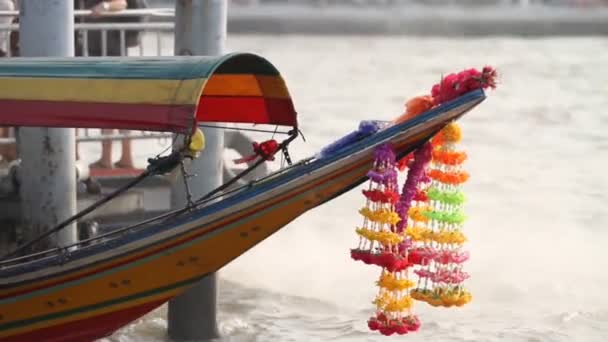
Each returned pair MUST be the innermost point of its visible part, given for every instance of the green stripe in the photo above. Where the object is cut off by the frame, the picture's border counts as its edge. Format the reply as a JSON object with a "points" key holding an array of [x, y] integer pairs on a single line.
{"points": [[169, 68], [149, 258]]}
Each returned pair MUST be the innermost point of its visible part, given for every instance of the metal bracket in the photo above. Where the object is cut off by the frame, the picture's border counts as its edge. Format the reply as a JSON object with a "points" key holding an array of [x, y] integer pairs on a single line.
{"points": [[185, 177], [286, 155]]}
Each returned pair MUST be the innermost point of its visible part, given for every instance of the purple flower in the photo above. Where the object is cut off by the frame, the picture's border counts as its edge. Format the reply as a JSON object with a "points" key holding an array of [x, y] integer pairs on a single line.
{"points": [[416, 173]]}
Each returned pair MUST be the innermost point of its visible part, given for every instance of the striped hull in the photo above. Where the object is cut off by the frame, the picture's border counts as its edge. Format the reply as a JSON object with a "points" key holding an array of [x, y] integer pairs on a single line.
{"points": [[89, 329], [116, 283]]}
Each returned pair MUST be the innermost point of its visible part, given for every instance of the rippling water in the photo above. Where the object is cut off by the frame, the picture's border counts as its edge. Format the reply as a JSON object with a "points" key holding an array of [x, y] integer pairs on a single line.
{"points": [[538, 147]]}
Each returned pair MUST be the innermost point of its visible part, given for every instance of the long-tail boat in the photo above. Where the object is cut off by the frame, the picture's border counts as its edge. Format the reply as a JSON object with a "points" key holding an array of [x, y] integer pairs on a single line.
{"points": [[92, 288]]}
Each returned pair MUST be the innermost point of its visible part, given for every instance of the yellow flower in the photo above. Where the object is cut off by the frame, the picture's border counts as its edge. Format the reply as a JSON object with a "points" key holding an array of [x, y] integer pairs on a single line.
{"points": [[398, 305], [450, 299], [387, 238], [381, 215], [416, 233], [382, 300], [451, 133], [391, 283], [417, 214]]}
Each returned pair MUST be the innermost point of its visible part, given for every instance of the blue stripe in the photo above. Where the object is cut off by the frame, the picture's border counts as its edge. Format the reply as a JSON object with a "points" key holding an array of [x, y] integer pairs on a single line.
{"points": [[381, 137], [167, 68]]}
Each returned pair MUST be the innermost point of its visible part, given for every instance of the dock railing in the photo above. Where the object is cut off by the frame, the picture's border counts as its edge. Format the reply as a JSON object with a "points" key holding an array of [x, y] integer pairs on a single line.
{"points": [[156, 40]]}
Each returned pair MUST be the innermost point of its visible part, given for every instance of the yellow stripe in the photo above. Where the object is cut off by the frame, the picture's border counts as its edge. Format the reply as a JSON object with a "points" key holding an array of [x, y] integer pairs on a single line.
{"points": [[163, 92]]}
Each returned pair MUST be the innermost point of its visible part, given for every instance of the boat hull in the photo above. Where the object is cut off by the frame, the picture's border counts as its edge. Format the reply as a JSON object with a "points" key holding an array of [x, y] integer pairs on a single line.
{"points": [[89, 297]]}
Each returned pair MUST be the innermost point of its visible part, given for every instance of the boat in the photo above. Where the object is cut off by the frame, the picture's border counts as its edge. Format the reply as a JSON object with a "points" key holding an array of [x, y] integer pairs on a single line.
{"points": [[90, 289]]}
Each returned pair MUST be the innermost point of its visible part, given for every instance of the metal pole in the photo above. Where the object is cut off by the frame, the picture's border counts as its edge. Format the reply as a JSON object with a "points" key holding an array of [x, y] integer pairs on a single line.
{"points": [[48, 177], [200, 29]]}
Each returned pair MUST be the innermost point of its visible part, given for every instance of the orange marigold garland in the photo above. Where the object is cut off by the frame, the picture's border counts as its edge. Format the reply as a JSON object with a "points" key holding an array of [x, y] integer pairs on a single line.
{"points": [[438, 248]]}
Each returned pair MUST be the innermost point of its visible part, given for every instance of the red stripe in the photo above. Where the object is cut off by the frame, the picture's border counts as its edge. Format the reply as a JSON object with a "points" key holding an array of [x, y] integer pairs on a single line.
{"points": [[249, 109], [88, 329], [170, 118]]}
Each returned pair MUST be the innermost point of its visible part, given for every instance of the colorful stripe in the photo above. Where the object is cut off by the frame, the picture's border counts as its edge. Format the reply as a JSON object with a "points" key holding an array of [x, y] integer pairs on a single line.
{"points": [[271, 87], [101, 115], [167, 92], [164, 94], [138, 68], [261, 110], [87, 329]]}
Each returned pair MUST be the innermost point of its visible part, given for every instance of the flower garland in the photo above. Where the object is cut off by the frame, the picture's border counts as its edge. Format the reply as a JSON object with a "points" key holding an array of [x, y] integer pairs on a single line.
{"points": [[438, 246], [422, 226], [379, 244]]}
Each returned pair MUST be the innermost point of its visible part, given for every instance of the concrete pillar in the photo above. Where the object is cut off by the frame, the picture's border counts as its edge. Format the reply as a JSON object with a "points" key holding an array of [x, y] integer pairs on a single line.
{"points": [[200, 29], [48, 188]]}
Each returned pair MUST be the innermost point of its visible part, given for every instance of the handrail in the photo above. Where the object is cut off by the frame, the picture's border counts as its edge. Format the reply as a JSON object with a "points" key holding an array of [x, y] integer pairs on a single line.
{"points": [[109, 137], [148, 12], [109, 26]]}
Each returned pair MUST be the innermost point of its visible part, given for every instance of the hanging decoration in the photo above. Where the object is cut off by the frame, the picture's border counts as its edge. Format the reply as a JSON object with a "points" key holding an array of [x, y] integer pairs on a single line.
{"points": [[438, 242], [419, 231], [381, 244]]}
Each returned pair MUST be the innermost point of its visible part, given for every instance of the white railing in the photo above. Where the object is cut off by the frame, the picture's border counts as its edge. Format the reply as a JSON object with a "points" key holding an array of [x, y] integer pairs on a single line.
{"points": [[147, 28], [156, 40]]}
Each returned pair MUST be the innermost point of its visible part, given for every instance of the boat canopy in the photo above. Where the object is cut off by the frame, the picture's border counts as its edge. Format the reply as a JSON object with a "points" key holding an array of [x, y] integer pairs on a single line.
{"points": [[167, 94]]}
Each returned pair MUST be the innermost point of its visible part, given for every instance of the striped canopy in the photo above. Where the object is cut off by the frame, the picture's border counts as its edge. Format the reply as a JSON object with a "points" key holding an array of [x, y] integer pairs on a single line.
{"points": [[155, 94]]}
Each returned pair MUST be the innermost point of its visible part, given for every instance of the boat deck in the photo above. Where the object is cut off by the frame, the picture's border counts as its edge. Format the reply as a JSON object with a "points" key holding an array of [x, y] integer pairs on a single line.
{"points": [[149, 199]]}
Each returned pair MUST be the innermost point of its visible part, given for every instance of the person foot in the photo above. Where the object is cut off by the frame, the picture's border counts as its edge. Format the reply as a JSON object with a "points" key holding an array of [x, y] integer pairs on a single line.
{"points": [[100, 164], [93, 187]]}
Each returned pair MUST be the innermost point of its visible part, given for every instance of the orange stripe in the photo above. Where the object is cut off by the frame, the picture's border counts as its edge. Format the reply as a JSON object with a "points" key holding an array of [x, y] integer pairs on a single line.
{"points": [[246, 85], [273, 87]]}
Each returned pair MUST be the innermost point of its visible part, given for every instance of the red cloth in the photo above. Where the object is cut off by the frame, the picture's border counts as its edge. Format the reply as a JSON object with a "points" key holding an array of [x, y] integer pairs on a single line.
{"points": [[266, 150]]}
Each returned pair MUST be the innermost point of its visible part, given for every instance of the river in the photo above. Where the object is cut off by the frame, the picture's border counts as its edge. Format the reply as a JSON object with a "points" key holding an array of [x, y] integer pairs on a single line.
{"points": [[537, 197]]}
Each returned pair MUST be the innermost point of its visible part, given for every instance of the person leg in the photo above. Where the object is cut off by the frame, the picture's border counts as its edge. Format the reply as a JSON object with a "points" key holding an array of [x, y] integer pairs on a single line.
{"points": [[105, 162], [3, 147], [8, 151], [126, 159], [76, 143]]}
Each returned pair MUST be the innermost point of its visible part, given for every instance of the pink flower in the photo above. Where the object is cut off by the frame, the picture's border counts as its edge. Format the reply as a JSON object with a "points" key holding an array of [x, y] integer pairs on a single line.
{"points": [[455, 85], [424, 273]]}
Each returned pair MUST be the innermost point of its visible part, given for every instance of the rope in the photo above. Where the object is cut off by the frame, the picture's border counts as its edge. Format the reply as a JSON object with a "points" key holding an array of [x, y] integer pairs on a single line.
{"points": [[157, 165], [275, 131], [283, 145]]}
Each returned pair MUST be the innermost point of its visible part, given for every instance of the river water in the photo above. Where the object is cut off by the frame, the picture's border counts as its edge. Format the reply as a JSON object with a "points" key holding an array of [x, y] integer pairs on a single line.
{"points": [[537, 194]]}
